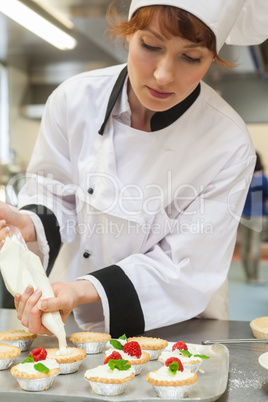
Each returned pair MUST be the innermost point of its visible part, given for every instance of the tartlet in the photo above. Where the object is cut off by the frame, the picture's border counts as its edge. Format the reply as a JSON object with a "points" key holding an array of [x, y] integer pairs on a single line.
{"points": [[108, 382], [259, 327], [176, 384], [153, 346], [7, 355], [91, 342], [20, 338], [135, 361], [187, 355], [30, 379], [69, 358]]}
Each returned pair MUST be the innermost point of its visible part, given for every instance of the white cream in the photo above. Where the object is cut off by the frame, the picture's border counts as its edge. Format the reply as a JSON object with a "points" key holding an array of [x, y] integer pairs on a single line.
{"points": [[164, 374], [67, 351], [104, 371], [28, 368], [20, 268]]}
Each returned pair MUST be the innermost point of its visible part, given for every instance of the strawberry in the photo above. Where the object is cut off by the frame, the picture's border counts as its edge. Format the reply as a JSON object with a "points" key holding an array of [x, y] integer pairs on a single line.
{"points": [[39, 354], [113, 356], [132, 349], [180, 345], [172, 360]]}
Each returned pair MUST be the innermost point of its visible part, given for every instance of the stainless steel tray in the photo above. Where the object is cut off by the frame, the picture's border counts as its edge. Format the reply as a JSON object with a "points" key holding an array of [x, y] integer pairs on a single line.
{"points": [[73, 387]]}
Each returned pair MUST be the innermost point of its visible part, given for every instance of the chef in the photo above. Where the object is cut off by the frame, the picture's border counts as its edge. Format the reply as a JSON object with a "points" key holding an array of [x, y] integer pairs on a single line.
{"points": [[141, 171]]}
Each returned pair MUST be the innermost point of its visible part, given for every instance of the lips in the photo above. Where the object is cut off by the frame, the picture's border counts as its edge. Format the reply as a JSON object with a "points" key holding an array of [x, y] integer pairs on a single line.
{"points": [[159, 94]]}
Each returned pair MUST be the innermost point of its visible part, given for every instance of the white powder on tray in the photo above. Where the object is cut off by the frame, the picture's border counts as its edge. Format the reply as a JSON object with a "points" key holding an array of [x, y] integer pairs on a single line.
{"points": [[244, 379]]}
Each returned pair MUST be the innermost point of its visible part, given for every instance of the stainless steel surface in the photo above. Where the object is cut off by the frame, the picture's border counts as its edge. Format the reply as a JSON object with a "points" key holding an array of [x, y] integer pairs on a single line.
{"points": [[247, 379], [225, 341]]}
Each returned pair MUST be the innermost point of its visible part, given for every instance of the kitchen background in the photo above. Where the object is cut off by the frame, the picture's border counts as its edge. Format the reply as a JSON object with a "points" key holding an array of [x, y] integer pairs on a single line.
{"points": [[31, 68]]}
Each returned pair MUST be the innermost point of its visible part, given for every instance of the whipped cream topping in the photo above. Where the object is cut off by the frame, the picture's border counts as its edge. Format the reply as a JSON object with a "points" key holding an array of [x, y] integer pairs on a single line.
{"points": [[164, 374], [28, 368], [104, 371], [176, 353], [124, 355], [65, 352]]}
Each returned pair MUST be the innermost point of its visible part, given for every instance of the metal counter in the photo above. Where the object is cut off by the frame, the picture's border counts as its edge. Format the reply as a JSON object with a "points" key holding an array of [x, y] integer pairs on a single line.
{"points": [[247, 381]]}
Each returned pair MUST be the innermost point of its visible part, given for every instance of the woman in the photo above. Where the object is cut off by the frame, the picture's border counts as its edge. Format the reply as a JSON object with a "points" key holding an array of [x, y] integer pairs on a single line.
{"points": [[254, 222], [140, 167]]}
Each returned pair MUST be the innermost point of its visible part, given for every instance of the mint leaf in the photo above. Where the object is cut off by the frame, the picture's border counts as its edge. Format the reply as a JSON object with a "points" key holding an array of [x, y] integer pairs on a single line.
{"points": [[116, 344], [119, 364], [202, 356], [186, 353], [41, 368], [124, 337], [29, 359], [173, 367]]}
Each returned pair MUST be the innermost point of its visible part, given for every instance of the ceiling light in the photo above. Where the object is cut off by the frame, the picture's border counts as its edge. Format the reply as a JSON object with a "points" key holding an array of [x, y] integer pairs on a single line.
{"points": [[37, 24]]}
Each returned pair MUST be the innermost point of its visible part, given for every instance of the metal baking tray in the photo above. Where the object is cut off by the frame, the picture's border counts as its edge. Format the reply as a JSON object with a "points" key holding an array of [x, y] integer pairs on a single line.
{"points": [[212, 381]]}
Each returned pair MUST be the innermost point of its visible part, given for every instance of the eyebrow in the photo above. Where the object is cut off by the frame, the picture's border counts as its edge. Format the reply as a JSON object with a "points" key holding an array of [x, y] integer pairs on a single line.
{"points": [[160, 37]]}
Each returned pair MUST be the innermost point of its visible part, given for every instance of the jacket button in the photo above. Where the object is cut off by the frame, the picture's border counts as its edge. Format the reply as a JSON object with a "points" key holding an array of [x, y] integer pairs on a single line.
{"points": [[86, 254], [90, 191]]}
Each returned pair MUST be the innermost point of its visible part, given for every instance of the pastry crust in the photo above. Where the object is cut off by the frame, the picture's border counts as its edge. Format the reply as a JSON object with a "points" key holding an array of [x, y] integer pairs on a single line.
{"points": [[77, 355], [85, 337], [9, 351], [111, 380], [259, 327], [149, 343], [189, 381], [19, 374], [16, 335]]}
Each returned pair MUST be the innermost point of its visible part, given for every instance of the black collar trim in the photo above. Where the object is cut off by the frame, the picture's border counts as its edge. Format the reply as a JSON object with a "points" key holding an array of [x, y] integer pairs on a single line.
{"points": [[159, 120]]}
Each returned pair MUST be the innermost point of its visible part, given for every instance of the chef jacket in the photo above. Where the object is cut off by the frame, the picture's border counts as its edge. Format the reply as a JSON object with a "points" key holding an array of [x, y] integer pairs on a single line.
{"points": [[151, 217]]}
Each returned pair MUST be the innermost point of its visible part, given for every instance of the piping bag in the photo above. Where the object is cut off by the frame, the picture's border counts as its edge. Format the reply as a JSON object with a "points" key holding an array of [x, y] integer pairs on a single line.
{"points": [[20, 267]]}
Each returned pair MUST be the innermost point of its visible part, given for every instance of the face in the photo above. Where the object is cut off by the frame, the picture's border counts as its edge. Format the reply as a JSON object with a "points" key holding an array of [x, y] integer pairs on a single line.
{"points": [[163, 71]]}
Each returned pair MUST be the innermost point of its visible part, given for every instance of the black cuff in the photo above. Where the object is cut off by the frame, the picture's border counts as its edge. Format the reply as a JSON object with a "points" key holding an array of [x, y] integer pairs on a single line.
{"points": [[126, 316], [52, 231]]}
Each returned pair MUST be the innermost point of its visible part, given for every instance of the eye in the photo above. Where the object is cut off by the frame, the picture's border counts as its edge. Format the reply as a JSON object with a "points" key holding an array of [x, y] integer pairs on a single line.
{"points": [[151, 48], [191, 59]]}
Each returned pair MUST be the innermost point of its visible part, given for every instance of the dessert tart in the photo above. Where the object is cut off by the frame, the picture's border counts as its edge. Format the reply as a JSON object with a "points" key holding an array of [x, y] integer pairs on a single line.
{"points": [[91, 342], [36, 372], [68, 358], [153, 346], [172, 380], [7, 355], [20, 338], [190, 359], [259, 327], [131, 351], [110, 379]]}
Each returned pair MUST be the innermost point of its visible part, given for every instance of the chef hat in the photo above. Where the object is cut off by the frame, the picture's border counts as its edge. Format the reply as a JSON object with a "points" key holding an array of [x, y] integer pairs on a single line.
{"points": [[236, 22]]}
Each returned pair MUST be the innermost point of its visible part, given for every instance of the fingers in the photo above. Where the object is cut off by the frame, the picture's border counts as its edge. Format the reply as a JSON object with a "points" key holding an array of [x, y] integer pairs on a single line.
{"points": [[4, 230]]}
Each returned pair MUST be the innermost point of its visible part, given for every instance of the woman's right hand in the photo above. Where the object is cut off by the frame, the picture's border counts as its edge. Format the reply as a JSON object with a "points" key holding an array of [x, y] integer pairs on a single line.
{"points": [[11, 216]]}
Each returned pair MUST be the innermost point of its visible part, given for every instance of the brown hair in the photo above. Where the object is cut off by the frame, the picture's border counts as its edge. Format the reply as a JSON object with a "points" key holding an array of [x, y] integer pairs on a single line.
{"points": [[174, 21]]}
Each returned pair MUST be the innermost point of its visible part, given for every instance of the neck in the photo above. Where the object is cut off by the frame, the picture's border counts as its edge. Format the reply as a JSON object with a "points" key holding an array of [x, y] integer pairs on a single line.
{"points": [[140, 116]]}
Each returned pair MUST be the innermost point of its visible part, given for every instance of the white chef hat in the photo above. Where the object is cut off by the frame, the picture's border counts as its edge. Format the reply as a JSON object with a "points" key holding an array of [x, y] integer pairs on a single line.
{"points": [[236, 22]]}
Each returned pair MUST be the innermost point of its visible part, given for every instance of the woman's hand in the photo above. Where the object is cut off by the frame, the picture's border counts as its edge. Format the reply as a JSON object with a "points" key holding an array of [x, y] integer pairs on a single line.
{"points": [[68, 295], [11, 216]]}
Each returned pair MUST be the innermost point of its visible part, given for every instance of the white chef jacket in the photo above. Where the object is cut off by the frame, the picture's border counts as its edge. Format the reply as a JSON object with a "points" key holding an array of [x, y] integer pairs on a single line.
{"points": [[154, 213]]}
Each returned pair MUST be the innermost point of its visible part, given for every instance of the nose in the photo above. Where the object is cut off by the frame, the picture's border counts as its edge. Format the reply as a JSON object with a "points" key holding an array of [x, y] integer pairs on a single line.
{"points": [[165, 71]]}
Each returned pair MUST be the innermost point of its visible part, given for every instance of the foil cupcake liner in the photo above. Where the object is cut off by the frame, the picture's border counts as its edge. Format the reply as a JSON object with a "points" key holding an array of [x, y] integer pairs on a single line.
{"points": [[172, 392], [6, 363], [137, 368], [91, 347], [108, 389], [38, 384], [68, 368], [192, 367], [154, 354], [23, 344]]}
